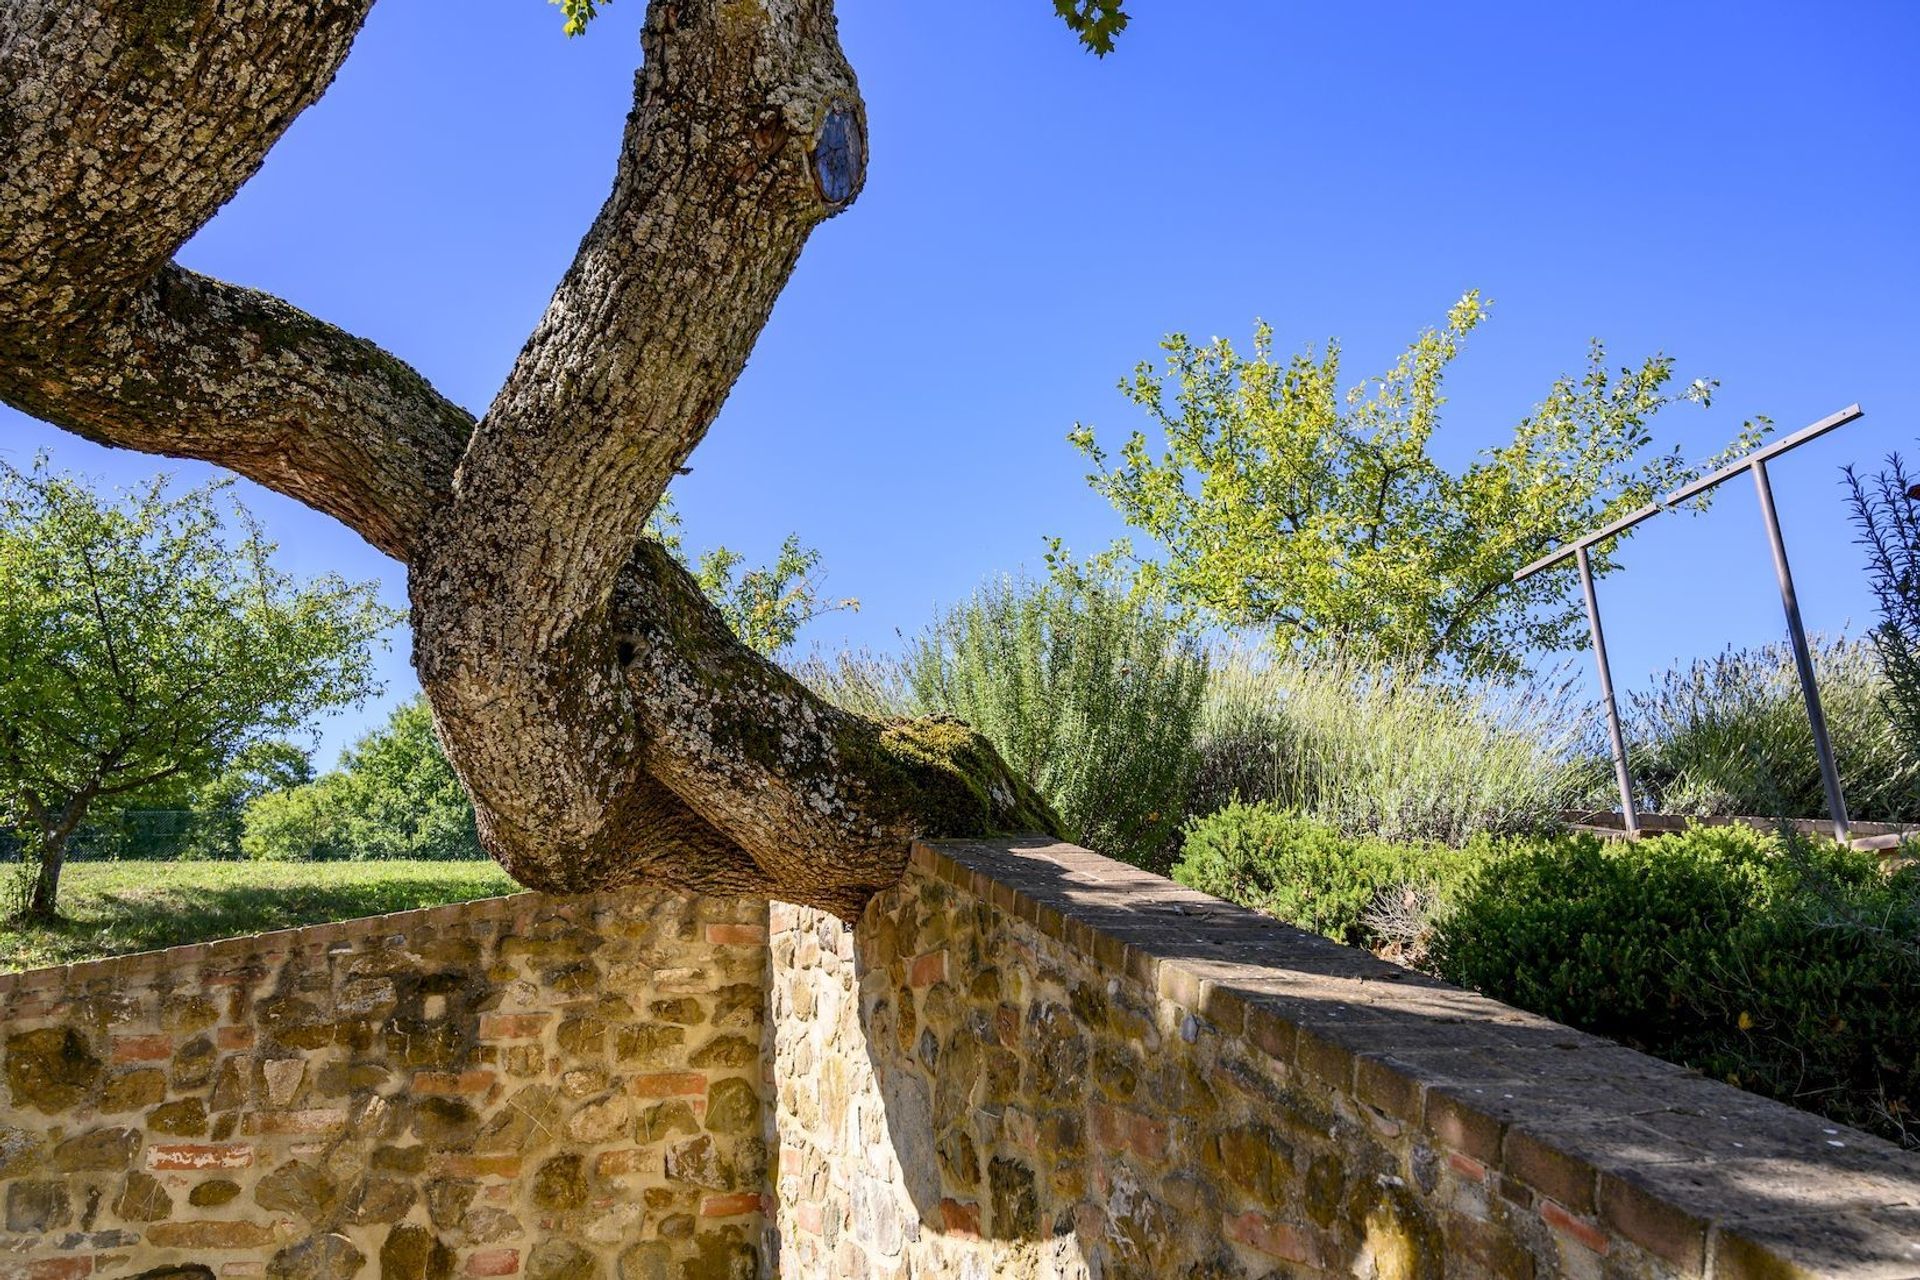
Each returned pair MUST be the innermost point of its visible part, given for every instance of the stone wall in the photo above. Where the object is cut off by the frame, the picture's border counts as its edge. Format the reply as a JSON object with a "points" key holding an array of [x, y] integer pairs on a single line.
{"points": [[1031, 1061], [549, 1088], [1026, 1061]]}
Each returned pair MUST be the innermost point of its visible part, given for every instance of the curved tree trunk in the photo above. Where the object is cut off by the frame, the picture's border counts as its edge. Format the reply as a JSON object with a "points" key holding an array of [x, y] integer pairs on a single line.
{"points": [[606, 723]]}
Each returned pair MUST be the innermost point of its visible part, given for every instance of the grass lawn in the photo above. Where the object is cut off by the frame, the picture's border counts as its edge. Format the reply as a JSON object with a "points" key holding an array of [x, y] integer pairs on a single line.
{"points": [[111, 908]]}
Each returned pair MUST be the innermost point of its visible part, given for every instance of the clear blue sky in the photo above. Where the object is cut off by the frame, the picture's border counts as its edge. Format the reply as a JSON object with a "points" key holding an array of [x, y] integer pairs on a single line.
{"points": [[1737, 184]]}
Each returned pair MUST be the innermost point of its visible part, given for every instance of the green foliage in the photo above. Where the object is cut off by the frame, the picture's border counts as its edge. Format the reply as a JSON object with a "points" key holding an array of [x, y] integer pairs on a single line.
{"points": [[1792, 968], [113, 908], [576, 14], [193, 822], [1096, 22], [395, 796], [1090, 692], [1280, 502], [1888, 519], [1729, 735], [1308, 874], [766, 606], [144, 644], [1398, 753]]}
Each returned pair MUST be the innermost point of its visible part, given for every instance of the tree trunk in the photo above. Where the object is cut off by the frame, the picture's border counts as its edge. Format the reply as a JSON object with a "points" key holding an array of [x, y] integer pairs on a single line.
{"points": [[606, 723], [43, 899]]}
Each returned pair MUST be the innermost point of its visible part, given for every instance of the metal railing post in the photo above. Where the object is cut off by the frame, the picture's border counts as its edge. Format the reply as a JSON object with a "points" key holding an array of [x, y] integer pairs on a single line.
{"points": [[1802, 655], [1620, 772]]}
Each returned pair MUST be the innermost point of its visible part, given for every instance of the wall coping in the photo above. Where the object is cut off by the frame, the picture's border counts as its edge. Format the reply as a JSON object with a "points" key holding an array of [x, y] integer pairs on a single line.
{"points": [[1719, 1182]]}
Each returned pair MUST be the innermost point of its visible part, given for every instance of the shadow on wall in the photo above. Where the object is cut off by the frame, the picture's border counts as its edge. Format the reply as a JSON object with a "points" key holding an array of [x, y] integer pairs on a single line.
{"points": [[967, 1095]]}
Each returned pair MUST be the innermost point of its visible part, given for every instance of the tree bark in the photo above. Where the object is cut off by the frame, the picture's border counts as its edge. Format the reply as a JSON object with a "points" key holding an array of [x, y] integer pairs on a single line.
{"points": [[606, 723]]}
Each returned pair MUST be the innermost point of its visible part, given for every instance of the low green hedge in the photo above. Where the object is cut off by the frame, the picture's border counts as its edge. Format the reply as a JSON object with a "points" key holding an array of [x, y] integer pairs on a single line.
{"points": [[1309, 874], [1790, 967]]}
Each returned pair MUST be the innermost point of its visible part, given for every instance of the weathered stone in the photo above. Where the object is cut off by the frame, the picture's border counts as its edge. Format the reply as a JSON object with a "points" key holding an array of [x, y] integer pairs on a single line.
{"points": [[733, 1106], [1254, 1158], [50, 1069], [411, 1252], [721, 1256], [530, 1118], [299, 1187], [560, 1184], [280, 1080], [194, 1063], [599, 1120], [684, 1010], [37, 1206], [97, 1149], [447, 1201], [21, 1151], [582, 1036], [186, 1117], [209, 1195], [406, 1160], [559, 1259], [142, 1199], [647, 1260], [131, 1090], [727, 1051], [485, 1224], [666, 1119], [375, 1199], [1016, 1203], [184, 1271], [184, 1014], [324, 1257], [231, 1090], [699, 1163], [444, 1122], [738, 1005], [649, 1044]]}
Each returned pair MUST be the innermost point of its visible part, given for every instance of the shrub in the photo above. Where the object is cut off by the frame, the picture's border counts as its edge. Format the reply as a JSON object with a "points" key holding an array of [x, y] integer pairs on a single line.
{"points": [[1387, 752], [303, 824], [1090, 692], [1308, 874], [1888, 518], [394, 796], [1791, 968], [1729, 735]]}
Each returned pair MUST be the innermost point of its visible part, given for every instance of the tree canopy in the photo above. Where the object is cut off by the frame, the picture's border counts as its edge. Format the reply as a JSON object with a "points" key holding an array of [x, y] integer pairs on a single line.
{"points": [[145, 642], [1278, 499]]}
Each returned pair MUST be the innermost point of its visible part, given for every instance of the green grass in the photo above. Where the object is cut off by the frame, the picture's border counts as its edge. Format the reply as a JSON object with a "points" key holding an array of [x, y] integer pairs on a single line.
{"points": [[112, 908]]}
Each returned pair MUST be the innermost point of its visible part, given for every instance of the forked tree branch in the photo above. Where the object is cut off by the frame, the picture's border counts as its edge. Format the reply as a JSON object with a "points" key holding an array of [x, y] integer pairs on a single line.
{"points": [[607, 724]]}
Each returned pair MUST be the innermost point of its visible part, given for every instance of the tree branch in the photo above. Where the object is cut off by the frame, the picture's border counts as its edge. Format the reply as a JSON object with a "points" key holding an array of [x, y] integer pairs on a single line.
{"points": [[126, 124], [195, 368]]}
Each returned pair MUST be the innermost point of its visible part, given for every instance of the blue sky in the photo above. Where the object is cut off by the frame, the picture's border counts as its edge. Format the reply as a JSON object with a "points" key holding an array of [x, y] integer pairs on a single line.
{"points": [[1736, 184]]}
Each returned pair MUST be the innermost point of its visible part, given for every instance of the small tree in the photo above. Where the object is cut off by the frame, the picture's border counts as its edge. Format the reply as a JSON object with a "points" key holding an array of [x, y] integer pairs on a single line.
{"points": [[1886, 510], [141, 643], [1282, 502], [765, 607]]}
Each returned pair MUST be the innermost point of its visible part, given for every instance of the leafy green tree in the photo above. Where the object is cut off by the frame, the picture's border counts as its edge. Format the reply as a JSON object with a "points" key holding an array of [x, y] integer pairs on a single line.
{"points": [[394, 796], [765, 606], [1281, 501], [142, 643], [216, 810]]}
